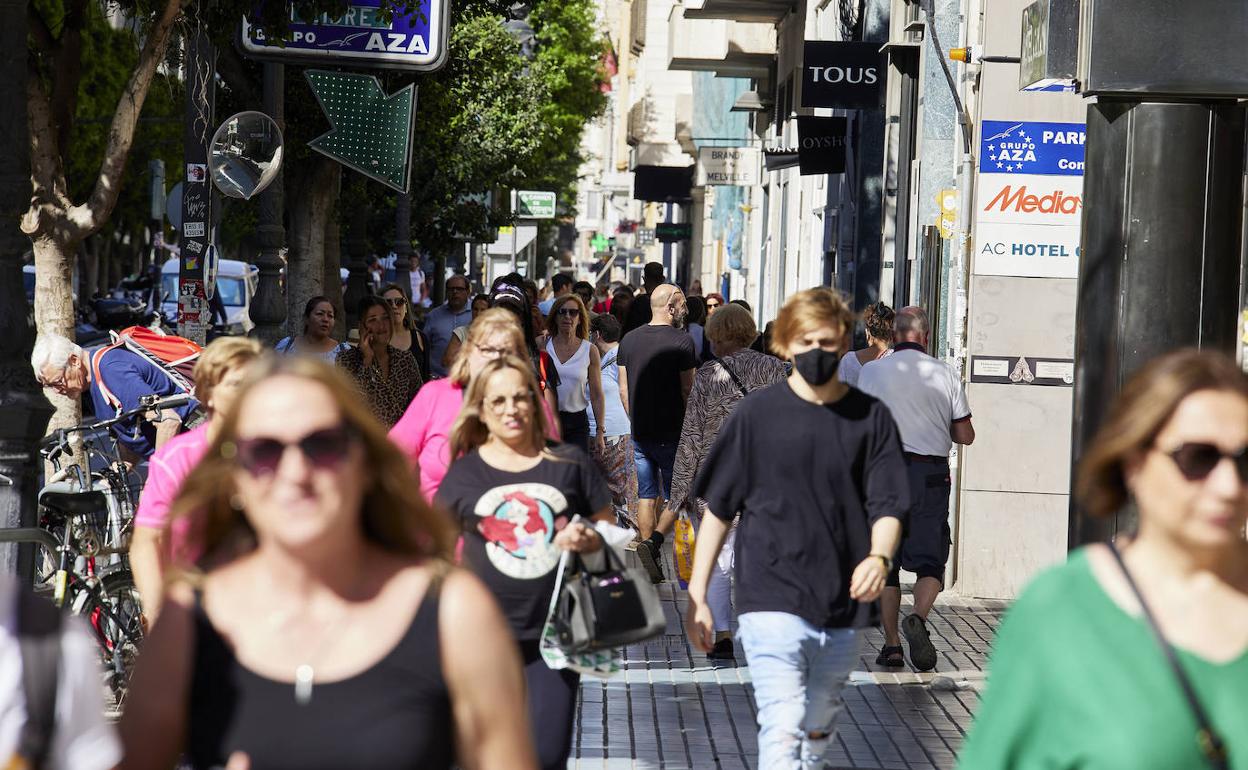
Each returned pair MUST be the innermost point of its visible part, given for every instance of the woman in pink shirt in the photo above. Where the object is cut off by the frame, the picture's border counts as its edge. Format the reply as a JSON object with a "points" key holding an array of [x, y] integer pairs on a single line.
{"points": [[218, 372], [423, 433]]}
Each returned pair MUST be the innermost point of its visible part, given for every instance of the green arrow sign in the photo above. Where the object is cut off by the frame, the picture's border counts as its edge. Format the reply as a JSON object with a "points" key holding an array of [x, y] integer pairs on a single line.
{"points": [[372, 132]]}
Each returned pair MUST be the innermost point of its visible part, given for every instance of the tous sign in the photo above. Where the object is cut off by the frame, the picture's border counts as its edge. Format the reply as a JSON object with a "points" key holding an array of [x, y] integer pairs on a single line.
{"points": [[843, 75]]}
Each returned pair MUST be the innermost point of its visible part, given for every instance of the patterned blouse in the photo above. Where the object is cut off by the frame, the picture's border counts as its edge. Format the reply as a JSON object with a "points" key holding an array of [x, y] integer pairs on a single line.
{"points": [[714, 397], [388, 397]]}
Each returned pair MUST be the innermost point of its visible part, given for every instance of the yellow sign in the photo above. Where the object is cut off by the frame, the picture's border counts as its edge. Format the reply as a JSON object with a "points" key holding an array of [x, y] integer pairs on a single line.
{"points": [[948, 221]]}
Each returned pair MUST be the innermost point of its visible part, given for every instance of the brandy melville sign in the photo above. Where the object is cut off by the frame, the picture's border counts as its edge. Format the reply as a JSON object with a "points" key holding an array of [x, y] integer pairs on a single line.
{"points": [[843, 75], [728, 166]]}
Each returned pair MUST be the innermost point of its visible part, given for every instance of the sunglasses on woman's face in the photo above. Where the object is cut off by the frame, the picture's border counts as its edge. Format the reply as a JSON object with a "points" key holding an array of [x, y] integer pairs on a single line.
{"points": [[395, 301], [325, 449], [712, 305], [569, 311], [1197, 460]]}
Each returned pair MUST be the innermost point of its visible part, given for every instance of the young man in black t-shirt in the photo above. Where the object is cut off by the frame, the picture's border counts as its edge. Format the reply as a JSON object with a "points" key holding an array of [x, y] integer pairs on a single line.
{"points": [[814, 469], [656, 365]]}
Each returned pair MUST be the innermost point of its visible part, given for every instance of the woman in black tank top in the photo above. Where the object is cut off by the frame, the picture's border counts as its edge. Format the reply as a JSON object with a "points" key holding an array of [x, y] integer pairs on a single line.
{"points": [[327, 630]]}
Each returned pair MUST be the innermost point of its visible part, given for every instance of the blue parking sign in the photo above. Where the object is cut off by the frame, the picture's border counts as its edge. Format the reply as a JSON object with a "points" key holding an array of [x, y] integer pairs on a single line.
{"points": [[360, 37], [1019, 147]]}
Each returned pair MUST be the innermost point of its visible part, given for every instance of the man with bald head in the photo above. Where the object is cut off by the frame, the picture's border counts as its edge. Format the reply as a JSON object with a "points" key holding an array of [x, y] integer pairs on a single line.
{"points": [[926, 399], [656, 365]]}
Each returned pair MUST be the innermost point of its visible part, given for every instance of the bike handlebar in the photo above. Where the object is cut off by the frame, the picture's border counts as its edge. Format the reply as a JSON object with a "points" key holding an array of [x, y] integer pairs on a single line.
{"points": [[55, 443]]}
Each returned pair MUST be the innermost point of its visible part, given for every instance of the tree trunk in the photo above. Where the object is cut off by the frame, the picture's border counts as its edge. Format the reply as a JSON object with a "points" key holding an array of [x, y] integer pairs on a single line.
{"points": [[310, 208], [54, 310]]}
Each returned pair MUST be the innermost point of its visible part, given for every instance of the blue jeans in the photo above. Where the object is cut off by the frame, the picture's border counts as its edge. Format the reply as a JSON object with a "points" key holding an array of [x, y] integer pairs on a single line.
{"points": [[798, 671], [654, 461]]}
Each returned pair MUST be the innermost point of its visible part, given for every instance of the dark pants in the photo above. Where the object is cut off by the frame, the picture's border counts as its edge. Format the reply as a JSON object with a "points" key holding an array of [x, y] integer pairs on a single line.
{"points": [[926, 538], [552, 707], [574, 427]]}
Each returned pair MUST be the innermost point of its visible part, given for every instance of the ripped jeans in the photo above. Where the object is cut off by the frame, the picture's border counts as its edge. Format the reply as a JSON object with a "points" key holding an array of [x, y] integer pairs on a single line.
{"points": [[798, 671]]}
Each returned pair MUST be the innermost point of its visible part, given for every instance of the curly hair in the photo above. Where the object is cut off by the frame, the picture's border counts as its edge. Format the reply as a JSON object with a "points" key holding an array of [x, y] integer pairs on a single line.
{"points": [[878, 319]]}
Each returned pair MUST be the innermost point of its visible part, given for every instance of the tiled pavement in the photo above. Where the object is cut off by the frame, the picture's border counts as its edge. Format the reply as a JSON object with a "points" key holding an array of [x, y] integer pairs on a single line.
{"points": [[670, 709]]}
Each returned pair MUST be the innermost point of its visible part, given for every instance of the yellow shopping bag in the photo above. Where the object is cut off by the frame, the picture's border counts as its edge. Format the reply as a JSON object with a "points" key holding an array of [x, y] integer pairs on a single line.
{"points": [[682, 545]]}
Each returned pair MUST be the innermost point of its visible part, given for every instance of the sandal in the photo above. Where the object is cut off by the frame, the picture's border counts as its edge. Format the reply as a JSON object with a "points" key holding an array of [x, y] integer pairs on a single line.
{"points": [[893, 657]]}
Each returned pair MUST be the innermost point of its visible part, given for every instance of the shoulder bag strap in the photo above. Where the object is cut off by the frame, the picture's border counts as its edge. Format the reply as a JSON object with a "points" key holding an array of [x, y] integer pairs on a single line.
{"points": [[39, 638], [734, 377], [1207, 737]]}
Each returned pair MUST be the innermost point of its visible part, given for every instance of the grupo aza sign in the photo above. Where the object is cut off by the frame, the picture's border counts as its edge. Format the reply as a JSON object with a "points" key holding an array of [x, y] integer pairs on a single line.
{"points": [[843, 75], [1030, 200], [416, 42], [1015, 147]]}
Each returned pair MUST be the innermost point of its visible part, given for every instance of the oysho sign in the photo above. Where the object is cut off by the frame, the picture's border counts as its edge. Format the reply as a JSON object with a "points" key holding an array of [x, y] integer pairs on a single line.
{"points": [[1030, 199], [822, 144], [728, 166], [844, 75]]}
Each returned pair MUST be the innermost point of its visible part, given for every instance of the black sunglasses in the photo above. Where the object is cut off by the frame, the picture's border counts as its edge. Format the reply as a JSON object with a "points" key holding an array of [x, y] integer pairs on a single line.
{"points": [[1196, 461], [569, 311], [325, 449], [395, 301]]}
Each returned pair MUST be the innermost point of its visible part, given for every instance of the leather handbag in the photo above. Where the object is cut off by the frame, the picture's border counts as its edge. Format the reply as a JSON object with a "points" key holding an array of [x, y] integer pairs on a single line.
{"points": [[597, 611]]}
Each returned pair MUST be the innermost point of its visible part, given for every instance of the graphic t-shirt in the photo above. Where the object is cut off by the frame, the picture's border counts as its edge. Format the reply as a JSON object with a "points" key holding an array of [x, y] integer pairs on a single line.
{"points": [[509, 522], [653, 358]]}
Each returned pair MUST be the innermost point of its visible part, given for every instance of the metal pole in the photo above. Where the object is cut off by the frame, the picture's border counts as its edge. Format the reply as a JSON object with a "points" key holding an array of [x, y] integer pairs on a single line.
{"points": [[403, 242], [515, 225], [357, 249], [268, 307], [24, 412], [200, 74]]}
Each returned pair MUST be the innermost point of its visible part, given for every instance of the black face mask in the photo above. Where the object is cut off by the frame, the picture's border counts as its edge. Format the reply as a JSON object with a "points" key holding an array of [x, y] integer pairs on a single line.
{"points": [[817, 366]]}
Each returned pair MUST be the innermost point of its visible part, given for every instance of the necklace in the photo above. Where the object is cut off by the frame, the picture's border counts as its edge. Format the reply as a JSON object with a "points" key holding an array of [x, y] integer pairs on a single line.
{"points": [[305, 673]]}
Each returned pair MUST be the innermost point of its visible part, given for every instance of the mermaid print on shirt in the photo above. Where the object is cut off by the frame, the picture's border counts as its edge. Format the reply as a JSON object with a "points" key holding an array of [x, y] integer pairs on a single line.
{"points": [[519, 523]]}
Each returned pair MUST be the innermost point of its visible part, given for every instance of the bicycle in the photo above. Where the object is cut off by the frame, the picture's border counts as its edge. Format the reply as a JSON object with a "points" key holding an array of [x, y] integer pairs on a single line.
{"points": [[86, 517]]}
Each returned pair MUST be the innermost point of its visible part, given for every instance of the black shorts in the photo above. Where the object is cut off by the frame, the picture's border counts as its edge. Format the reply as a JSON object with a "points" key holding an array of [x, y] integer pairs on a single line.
{"points": [[926, 538]]}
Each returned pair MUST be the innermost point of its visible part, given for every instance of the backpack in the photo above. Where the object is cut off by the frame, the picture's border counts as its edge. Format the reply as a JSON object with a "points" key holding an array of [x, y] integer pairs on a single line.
{"points": [[39, 627], [173, 355]]}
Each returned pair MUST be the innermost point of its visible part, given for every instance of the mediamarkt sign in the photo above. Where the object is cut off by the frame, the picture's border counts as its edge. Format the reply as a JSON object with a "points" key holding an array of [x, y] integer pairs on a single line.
{"points": [[1030, 199]]}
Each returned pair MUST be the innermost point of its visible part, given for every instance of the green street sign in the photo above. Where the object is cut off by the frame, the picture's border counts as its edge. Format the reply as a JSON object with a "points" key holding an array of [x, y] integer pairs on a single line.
{"points": [[532, 204], [670, 232], [372, 132]]}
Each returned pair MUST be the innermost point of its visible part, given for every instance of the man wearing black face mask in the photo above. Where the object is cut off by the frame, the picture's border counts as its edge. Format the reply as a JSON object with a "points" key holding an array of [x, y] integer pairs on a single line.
{"points": [[813, 468], [926, 398]]}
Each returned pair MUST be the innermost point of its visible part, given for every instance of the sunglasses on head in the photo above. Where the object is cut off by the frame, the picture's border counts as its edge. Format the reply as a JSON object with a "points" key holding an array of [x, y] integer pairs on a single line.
{"points": [[324, 449], [1197, 460]]}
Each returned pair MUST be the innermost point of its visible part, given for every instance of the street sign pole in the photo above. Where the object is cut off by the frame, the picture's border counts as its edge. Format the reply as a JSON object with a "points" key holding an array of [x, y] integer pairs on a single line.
{"points": [[192, 299], [514, 227]]}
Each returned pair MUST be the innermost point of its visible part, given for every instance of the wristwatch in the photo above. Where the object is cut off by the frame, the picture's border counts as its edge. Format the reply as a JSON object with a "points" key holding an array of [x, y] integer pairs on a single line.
{"points": [[888, 563]]}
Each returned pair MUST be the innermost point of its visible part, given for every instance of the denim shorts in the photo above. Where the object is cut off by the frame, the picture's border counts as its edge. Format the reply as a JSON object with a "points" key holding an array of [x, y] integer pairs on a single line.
{"points": [[654, 461]]}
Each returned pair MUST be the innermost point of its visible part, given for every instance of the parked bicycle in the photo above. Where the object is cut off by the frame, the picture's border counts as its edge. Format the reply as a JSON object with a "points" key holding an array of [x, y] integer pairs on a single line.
{"points": [[86, 517]]}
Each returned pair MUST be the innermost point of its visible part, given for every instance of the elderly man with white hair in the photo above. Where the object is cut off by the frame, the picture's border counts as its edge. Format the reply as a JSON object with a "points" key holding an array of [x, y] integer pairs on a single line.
{"points": [[61, 365]]}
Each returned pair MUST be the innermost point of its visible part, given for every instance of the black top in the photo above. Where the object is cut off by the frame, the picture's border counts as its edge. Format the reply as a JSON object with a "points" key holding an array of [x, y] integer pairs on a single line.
{"points": [[509, 521], [396, 714], [654, 357], [809, 481]]}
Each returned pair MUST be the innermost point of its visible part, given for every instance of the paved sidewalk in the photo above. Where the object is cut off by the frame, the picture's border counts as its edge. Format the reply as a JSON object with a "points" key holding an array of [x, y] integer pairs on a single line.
{"points": [[672, 709]]}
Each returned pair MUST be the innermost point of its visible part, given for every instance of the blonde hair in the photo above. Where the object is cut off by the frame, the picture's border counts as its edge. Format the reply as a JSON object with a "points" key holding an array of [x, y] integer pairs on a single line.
{"points": [[470, 431], [552, 318], [732, 325], [1142, 409], [393, 515], [808, 310], [489, 323], [222, 355]]}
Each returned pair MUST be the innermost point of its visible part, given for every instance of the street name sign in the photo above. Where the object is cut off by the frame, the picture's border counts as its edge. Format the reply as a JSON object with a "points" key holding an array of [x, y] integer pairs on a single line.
{"points": [[534, 204], [416, 42], [371, 132]]}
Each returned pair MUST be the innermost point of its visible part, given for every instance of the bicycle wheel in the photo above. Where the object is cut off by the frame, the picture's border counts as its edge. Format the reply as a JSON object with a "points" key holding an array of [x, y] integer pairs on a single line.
{"points": [[115, 613]]}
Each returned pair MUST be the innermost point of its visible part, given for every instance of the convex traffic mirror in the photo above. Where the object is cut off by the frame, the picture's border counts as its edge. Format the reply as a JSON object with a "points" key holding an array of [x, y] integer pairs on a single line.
{"points": [[245, 154]]}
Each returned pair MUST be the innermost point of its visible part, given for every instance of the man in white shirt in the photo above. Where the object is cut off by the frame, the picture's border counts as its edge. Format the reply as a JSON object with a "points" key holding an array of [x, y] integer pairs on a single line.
{"points": [[81, 738], [928, 403]]}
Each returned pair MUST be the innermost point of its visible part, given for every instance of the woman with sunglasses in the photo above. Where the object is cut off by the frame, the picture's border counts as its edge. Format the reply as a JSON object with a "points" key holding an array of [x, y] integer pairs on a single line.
{"points": [[714, 301], [580, 371], [878, 320], [388, 377], [219, 372], [1079, 675], [514, 499], [406, 337], [425, 428], [319, 317], [325, 628]]}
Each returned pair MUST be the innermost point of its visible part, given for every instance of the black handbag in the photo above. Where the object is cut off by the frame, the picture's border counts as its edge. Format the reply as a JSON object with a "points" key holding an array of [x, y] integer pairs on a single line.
{"points": [[1207, 738], [597, 611]]}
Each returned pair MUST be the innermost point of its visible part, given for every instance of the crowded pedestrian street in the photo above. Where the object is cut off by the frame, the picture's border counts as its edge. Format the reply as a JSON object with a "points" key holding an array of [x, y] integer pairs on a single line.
{"points": [[624, 384]]}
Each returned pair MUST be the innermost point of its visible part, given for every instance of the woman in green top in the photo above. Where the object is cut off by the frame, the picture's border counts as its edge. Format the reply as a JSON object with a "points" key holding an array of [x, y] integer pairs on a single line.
{"points": [[1077, 678]]}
